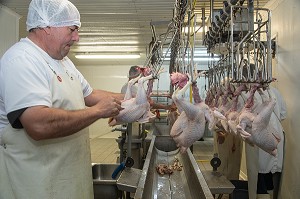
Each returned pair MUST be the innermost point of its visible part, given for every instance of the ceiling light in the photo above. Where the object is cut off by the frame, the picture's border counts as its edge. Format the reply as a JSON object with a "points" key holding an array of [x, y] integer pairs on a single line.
{"points": [[90, 33], [107, 56], [199, 59], [106, 42], [102, 49], [206, 59]]}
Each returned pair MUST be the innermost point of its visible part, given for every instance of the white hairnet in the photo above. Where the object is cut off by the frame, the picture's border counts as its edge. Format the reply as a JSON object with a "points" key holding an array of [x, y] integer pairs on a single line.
{"points": [[52, 13]]}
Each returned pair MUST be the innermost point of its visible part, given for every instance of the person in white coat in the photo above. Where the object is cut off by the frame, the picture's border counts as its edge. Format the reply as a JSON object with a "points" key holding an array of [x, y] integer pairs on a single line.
{"points": [[46, 106], [270, 167]]}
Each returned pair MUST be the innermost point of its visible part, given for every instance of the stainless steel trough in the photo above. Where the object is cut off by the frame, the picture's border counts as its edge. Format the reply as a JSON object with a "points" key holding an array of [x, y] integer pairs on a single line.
{"points": [[103, 184], [188, 183]]}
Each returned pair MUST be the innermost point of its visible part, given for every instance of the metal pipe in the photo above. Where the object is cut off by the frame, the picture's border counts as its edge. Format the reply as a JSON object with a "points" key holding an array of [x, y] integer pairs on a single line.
{"points": [[153, 32], [122, 142], [269, 61], [232, 48], [251, 14], [265, 67], [211, 10], [129, 139], [238, 54], [193, 48], [203, 23], [189, 33]]}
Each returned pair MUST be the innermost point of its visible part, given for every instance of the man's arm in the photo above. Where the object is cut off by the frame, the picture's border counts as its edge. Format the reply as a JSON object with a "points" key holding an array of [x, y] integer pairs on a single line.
{"points": [[41, 122], [171, 107]]}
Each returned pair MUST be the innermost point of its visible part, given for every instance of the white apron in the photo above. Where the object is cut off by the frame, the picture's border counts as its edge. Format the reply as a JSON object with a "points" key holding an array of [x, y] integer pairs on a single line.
{"points": [[55, 168], [5, 188]]}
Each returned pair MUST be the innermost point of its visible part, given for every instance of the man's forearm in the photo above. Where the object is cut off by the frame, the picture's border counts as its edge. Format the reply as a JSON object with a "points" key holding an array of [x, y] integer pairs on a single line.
{"points": [[46, 123]]}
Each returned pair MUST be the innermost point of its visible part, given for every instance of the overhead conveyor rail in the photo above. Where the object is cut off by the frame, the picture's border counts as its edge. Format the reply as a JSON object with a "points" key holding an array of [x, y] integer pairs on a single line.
{"points": [[168, 42], [241, 37]]}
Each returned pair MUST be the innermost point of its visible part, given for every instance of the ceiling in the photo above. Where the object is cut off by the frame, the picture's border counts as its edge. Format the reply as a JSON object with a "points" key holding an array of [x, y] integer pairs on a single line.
{"points": [[120, 26]]}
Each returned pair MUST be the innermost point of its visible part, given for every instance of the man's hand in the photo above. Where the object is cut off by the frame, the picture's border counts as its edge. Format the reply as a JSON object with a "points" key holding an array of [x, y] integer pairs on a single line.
{"points": [[108, 107]]}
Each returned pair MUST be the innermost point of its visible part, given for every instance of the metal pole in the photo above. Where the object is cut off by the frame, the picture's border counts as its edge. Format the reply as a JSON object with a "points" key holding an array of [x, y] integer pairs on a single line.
{"points": [[251, 15], [193, 47], [211, 10], [269, 61], [129, 139], [203, 23]]}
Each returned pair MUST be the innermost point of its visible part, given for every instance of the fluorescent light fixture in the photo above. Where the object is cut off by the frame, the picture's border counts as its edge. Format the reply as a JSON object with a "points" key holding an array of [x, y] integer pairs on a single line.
{"points": [[107, 56], [89, 33], [200, 59], [206, 59], [106, 42], [197, 52], [101, 49]]}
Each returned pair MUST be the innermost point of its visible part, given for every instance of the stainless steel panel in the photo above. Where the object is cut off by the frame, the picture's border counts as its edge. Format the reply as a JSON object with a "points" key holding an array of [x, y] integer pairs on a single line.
{"points": [[218, 183], [128, 180], [188, 183]]}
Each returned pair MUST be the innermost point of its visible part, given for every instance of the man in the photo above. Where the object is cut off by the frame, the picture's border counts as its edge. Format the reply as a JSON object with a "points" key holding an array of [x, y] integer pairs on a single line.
{"points": [[45, 149]]}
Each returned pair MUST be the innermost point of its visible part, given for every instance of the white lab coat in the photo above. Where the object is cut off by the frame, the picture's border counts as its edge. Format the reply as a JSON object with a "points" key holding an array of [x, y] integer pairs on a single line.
{"points": [[259, 161], [267, 162]]}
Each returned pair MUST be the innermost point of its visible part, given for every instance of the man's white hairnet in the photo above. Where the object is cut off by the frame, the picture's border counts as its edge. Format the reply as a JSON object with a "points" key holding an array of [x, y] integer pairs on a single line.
{"points": [[52, 13]]}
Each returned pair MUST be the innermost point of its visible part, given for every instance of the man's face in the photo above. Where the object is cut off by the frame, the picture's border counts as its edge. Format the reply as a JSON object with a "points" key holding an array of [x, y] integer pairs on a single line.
{"points": [[61, 40]]}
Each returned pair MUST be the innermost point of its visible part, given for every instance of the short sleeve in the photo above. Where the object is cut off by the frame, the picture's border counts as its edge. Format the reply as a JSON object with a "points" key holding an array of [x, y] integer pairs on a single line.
{"points": [[24, 83]]}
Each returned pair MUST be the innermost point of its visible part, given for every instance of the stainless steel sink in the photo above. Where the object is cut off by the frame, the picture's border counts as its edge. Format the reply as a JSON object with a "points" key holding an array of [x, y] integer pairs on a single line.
{"points": [[104, 185]]}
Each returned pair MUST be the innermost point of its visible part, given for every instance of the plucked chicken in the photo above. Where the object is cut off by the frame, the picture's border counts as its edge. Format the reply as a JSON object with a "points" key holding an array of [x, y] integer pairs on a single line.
{"points": [[233, 114], [135, 108], [254, 123], [190, 125]]}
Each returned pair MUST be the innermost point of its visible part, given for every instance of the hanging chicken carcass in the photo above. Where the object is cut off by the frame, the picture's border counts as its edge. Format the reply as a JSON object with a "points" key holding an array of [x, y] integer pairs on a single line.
{"points": [[135, 108], [234, 112], [254, 123], [190, 125]]}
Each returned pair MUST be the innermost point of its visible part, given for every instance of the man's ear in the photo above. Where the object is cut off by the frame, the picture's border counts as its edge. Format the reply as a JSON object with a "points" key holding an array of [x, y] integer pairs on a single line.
{"points": [[47, 30]]}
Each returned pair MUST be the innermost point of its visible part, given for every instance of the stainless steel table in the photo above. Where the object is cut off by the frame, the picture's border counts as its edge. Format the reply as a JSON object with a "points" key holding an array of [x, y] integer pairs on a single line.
{"points": [[218, 183]]}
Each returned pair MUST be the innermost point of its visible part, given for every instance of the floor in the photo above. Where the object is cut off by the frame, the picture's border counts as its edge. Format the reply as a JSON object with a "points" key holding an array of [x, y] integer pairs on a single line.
{"points": [[105, 149]]}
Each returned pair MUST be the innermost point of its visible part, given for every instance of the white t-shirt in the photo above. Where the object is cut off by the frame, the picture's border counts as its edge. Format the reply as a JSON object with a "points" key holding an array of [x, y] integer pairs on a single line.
{"points": [[26, 72]]}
